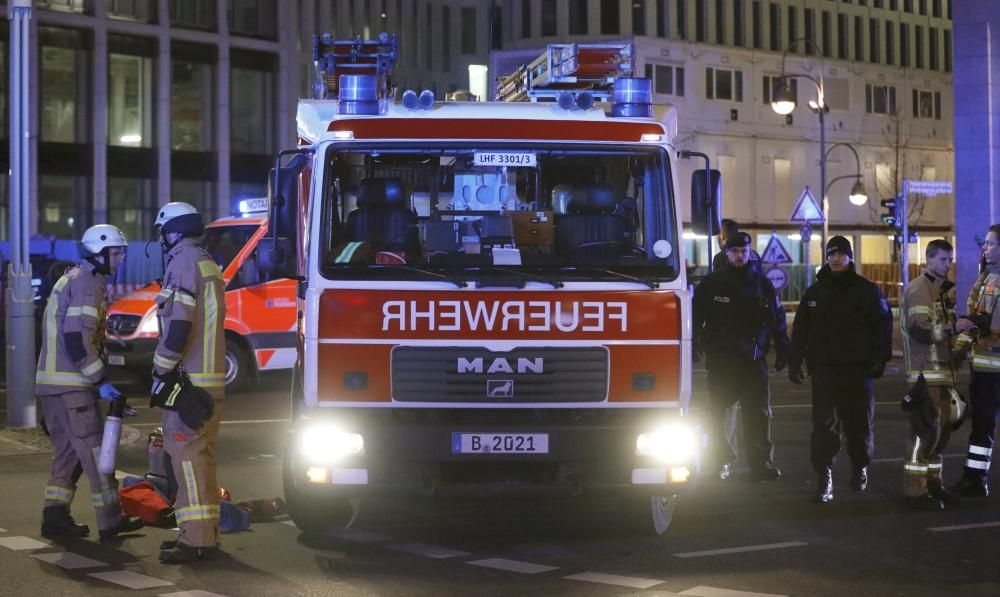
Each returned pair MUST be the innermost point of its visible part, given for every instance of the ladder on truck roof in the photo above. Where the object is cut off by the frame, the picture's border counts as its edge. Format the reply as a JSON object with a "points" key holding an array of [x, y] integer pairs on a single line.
{"points": [[575, 67], [333, 58]]}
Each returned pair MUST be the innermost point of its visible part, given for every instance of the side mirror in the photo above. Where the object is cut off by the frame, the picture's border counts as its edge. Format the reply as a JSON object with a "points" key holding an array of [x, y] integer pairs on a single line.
{"points": [[706, 197]]}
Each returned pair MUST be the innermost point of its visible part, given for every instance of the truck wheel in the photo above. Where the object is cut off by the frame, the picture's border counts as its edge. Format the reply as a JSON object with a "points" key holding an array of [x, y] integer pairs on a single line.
{"points": [[313, 514], [650, 515], [237, 367]]}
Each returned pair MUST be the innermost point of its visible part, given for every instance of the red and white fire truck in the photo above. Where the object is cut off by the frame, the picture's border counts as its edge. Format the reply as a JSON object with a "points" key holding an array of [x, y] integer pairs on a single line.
{"points": [[492, 295]]}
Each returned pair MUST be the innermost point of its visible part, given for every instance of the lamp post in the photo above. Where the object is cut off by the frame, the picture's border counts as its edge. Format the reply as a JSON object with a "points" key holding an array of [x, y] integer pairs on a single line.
{"points": [[858, 195]]}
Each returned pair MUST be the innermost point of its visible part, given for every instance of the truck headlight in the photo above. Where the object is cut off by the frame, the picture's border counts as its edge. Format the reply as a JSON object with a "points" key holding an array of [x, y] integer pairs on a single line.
{"points": [[324, 443], [674, 443], [148, 325]]}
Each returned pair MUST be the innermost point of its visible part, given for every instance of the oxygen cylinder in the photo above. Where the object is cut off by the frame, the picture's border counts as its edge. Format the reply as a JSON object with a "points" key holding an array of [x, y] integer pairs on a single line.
{"points": [[112, 434]]}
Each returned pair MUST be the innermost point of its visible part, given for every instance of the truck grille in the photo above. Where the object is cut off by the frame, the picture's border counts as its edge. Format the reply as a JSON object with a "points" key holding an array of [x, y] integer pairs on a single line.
{"points": [[123, 325], [524, 374]]}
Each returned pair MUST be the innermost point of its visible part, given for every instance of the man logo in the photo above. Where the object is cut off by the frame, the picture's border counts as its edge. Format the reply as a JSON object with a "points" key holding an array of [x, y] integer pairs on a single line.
{"points": [[500, 388]]}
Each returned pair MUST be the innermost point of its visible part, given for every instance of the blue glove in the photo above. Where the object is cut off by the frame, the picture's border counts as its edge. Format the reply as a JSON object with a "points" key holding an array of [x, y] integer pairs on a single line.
{"points": [[108, 392]]}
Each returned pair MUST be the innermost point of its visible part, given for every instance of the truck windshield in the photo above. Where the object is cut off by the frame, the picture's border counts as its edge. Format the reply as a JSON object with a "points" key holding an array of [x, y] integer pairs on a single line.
{"points": [[224, 242], [561, 214]]}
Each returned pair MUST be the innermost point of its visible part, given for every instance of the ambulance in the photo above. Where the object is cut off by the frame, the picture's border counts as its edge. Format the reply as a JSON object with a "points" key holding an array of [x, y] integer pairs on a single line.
{"points": [[260, 306], [492, 298]]}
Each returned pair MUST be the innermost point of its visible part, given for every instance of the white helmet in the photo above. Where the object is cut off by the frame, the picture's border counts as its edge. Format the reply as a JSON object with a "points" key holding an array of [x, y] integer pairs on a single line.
{"points": [[99, 237], [178, 216]]}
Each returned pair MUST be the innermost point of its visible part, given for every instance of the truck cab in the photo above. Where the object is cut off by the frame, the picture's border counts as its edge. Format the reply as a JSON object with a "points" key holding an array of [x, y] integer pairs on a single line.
{"points": [[260, 306]]}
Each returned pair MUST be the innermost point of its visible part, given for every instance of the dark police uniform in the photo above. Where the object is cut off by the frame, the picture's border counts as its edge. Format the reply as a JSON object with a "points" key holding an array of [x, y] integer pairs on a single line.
{"points": [[843, 330], [737, 315]]}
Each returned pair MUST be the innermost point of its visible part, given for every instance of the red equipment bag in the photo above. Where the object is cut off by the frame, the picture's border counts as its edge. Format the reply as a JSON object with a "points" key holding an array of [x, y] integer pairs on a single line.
{"points": [[144, 501]]}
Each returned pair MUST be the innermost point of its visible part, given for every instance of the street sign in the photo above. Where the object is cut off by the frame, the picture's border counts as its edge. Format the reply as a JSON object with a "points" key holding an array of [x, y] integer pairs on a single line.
{"points": [[775, 252], [806, 232], [806, 209], [778, 277], [929, 188]]}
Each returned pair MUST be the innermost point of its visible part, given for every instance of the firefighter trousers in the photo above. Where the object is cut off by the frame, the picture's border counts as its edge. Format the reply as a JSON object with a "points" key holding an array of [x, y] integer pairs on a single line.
{"points": [[740, 381], [930, 428], [192, 454], [76, 428], [985, 403], [843, 401]]}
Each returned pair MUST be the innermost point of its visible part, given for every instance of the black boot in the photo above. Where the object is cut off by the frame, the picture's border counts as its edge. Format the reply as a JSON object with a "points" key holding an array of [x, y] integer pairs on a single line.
{"points": [[183, 553], [971, 487], [125, 525], [936, 489], [859, 479], [57, 522], [765, 472], [824, 486], [923, 502]]}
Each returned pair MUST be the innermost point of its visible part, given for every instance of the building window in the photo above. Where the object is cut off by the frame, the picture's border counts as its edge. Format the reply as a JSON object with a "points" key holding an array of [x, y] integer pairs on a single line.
{"points": [[661, 17], [143, 11], [64, 86], [724, 84], [548, 18], [682, 21], [638, 17], [468, 30], [63, 5], [496, 24], [890, 43], [758, 25], [429, 39], [667, 79], [720, 22], [253, 18], [252, 102], [774, 11], [935, 58], [132, 205], [907, 5], [947, 50], [130, 91], [739, 25], [923, 7], [525, 18], [919, 46], [904, 45], [578, 17], [793, 24], [192, 123], [700, 20], [873, 41], [859, 39], [64, 205], [193, 14], [810, 29], [609, 17], [842, 36], [827, 35], [936, 9], [771, 85], [880, 99], [446, 37], [926, 104]]}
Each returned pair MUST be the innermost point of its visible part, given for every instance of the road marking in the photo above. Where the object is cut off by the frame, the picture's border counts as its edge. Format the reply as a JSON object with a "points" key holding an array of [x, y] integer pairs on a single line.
{"points": [[717, 592], [964, 527], [68, 560], [131, 580], [614, 579], [746, 548], [429, 551], [512, 565], [22, 543], [195, 593], [359, 536]]}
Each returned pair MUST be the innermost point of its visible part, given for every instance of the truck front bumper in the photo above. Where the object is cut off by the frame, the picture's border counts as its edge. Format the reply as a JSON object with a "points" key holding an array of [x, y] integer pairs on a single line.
{"points": [[135, 354]]}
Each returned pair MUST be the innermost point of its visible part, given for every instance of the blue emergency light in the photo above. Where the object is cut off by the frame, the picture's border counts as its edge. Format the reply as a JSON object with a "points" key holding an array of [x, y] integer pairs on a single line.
{"points": [[254, 206]]}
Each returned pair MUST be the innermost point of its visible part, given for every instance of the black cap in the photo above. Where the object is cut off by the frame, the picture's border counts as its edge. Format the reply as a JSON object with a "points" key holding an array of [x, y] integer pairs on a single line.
{"points": [[839, 243], [740, 239]]}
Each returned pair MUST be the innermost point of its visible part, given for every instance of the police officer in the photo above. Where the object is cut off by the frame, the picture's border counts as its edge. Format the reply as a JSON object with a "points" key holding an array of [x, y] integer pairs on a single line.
{"points": [[192, 311], [980, 330], [731, 228], [927, 322], [70, 379], [843, 332], [737, 315]]}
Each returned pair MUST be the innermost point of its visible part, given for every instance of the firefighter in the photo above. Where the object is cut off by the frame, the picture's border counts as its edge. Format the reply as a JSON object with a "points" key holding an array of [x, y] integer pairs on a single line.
{"points": [[737, 315], [843, 332], [980, 332], [71, 378], [927, 322], [191, 309]]}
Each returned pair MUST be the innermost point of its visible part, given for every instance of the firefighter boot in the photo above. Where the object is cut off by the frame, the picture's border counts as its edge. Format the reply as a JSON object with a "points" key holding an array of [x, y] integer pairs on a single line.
{"points": [[57, 522], [971, 487], [859, 479], [183, 553], [824, 486], [126, 524], [923, 502], [937, 490]]}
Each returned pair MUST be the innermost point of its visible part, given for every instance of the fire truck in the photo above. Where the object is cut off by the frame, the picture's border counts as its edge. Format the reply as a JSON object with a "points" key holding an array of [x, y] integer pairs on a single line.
{"points": [[492, 295], [260, 306]]}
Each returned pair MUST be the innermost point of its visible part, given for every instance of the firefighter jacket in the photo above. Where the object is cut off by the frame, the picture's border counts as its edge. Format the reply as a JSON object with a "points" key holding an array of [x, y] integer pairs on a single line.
{"points": [[72, 333], [192, 311], [842, 320], [927, 323], [737, 311], [985, 340]]}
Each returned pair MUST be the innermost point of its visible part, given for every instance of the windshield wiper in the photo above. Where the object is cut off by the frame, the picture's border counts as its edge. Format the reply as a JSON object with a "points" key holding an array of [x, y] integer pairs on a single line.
{"points": [[426, 272], [520, 274], [611, 272]]}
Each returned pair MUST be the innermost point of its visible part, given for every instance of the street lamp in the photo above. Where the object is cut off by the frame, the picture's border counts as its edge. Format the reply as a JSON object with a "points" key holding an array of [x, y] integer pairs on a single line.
{"points": [[858, 195]]}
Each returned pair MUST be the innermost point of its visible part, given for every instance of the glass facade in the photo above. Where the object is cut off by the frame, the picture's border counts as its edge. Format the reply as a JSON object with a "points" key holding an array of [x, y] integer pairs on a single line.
{"points": [[252, 105], [130, 91], [253, 18]]}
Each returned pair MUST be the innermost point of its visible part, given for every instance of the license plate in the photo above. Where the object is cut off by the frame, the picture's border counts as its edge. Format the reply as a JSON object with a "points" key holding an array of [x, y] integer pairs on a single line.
{"points": [[499, 443], [116, 359], [504, 158]]}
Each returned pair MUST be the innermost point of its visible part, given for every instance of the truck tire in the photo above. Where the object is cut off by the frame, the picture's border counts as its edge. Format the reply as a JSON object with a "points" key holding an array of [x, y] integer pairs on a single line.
{"points": [[313, 513], [649, 516], [238, 369]]}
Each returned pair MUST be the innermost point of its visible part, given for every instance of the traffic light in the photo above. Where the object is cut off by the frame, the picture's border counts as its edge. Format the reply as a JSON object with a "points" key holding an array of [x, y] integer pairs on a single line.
{"points": [[890, 217]]}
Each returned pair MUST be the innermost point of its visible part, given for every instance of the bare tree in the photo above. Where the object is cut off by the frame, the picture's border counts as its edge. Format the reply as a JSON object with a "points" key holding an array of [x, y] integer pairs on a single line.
{"points": [[897, 135]]}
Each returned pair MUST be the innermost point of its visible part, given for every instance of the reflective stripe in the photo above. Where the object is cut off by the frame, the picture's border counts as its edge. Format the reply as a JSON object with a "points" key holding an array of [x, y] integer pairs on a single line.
{"points": [[915, 468], [984, 362], [920, 310], [208, 380], [184, 298], [980, 450], [100, 500], [929, 376], [190, 513], [173, 396], [93, 368], [165, 362], [54, 378], [59, 494], [191, 482], [348, 252], [51, 328], [209, 269], [978, 464], [165, 293], [209, 339], [933, 465]]}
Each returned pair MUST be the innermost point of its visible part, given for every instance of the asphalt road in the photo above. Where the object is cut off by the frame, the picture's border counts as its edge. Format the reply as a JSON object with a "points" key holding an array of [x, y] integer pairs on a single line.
{"points": [[729, 539]]}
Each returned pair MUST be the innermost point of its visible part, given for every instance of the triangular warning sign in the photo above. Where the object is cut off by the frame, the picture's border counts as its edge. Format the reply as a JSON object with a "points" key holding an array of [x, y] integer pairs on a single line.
{"points": [[775, 252], [807, 209]]}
